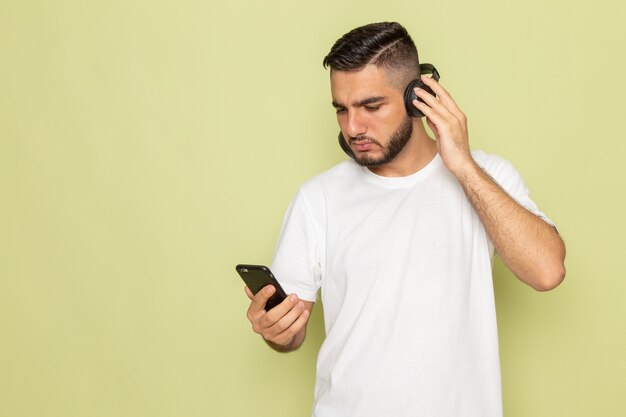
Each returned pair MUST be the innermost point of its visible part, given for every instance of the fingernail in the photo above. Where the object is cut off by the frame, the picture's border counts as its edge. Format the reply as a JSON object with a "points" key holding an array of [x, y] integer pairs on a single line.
{"points": [[293, 298], [301, 306], [269, 290]]}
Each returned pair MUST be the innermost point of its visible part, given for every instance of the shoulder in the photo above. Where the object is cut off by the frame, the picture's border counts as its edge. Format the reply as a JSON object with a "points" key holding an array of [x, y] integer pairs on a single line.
{"points": [[503, 172], [345, 171], [488, 161], [496, 166], [313, 193]]}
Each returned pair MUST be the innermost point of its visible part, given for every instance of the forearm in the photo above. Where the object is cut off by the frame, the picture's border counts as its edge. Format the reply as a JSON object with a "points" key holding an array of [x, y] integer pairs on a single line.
{"points": [[529, 246]]}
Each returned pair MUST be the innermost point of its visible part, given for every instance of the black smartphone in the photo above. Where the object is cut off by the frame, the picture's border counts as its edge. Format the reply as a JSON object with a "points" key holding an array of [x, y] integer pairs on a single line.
{"points": [[259, 276]]}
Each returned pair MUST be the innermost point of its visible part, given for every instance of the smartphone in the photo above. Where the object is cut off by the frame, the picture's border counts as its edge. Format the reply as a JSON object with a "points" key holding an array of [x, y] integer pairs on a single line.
{"points": [[259, 276]]}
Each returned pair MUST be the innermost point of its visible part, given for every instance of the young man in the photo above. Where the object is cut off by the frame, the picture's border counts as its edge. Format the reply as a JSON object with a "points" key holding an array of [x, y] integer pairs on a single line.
{"points": [[400, 241]]}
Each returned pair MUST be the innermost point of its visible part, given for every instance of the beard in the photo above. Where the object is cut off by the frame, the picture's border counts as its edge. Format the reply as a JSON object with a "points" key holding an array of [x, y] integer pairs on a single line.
{"points": [[397, 141]]}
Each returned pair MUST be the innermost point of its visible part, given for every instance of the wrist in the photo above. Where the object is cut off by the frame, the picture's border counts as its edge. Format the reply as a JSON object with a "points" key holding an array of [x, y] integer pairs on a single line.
{"points": [[466, 169], [280, 348]]}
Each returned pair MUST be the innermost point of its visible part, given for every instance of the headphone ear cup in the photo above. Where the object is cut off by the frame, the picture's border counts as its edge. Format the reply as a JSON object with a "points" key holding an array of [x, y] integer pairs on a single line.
{"points": [[344, 146], [409, 96]]}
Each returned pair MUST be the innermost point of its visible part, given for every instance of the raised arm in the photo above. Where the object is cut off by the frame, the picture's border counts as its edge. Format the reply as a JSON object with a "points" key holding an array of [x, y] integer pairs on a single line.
{"points": [[529, 246]]}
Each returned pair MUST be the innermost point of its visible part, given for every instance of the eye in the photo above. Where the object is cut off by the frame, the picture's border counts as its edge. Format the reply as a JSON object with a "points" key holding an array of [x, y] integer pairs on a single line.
{"points": [[340, 110], [372, 108]]}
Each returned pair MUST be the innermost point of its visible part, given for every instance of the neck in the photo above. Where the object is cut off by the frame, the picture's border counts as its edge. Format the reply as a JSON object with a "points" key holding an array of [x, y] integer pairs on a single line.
{"points": [[418, 152]]}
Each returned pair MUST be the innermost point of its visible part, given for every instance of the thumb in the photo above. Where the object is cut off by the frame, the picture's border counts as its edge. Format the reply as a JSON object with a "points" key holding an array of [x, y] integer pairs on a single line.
{"points": [[433, 127]]}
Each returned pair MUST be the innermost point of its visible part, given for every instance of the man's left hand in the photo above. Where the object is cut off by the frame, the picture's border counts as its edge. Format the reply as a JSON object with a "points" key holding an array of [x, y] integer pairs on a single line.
{"points": [[448, 123]]}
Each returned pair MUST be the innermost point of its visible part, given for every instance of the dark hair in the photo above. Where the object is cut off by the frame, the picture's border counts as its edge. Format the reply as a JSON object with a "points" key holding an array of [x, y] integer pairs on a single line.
{"points": [[385, 44]]}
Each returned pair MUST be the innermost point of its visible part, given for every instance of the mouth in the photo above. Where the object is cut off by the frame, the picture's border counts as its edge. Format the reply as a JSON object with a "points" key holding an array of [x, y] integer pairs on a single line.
{"points": [[362, 145]]}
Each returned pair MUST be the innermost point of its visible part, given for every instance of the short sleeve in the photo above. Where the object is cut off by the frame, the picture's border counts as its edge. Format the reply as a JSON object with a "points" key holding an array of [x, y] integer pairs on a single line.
{"points": [[505, 174], [296, 262]]}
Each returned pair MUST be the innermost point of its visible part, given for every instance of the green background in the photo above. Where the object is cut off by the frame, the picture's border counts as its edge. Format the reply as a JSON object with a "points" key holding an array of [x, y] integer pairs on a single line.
{"points": [[148, 147]]}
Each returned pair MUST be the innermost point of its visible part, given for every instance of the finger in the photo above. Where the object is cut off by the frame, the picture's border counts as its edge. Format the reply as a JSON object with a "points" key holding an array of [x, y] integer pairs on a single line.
{"points": [[433, 102], [437, 88], [430, 113], [289, 333], [260, 299], [441, 124], [445, 97], [278, 312], [433, 128], [248, 292], [286, 321]]}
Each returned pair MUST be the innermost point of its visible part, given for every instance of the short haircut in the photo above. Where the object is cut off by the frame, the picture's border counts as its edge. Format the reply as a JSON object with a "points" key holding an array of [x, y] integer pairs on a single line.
{"points": [[386, 44]]}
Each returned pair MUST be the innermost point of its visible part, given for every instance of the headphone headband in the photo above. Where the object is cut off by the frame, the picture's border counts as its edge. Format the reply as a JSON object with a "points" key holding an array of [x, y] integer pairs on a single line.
{"points": [[429, 69]]}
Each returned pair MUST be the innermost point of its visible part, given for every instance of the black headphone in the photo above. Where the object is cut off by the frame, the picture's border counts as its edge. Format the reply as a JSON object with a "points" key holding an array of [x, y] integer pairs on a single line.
{"points": [[409, 96]]}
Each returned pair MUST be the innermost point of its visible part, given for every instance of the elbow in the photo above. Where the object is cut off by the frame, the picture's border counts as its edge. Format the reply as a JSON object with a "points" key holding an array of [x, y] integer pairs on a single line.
{"points": [[552, 271], [550, 278]]}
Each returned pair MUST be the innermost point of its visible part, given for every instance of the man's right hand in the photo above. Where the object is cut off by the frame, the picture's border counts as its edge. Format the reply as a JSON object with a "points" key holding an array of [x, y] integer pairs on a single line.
{"points": [[284, 326]]}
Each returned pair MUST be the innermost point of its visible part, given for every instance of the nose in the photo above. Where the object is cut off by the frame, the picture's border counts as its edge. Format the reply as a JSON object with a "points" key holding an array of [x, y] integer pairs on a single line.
{"points": [[356, 125]]}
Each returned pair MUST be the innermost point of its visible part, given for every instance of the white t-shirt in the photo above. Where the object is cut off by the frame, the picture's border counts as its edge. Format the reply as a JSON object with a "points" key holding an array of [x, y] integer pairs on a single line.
{"points": [[404, 268]]}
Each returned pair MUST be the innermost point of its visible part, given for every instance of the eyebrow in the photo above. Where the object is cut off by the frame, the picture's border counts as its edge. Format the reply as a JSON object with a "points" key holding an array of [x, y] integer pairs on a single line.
{"points": [[361, 103]]}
